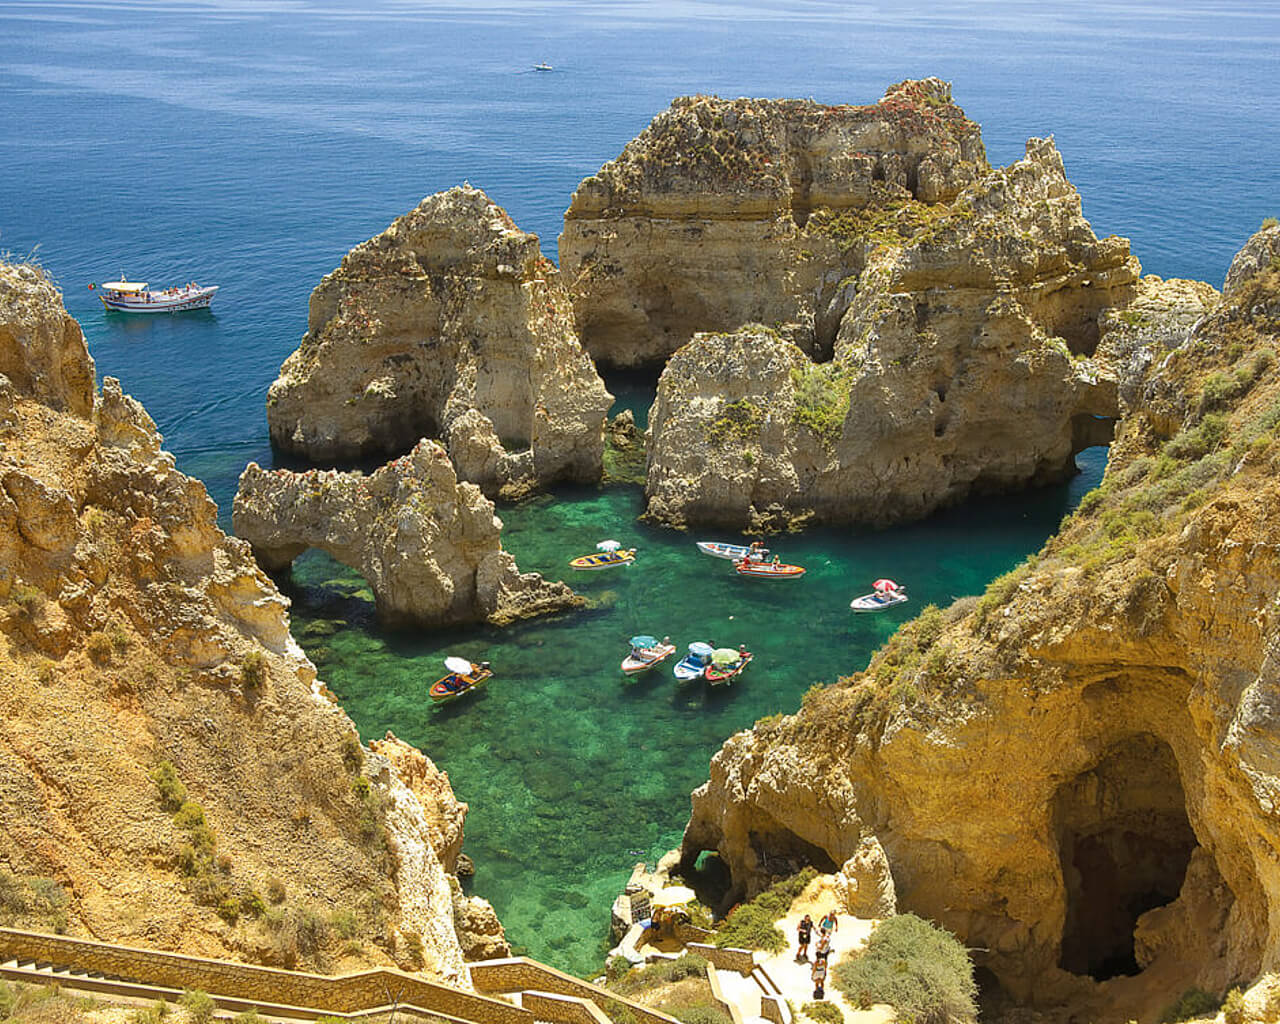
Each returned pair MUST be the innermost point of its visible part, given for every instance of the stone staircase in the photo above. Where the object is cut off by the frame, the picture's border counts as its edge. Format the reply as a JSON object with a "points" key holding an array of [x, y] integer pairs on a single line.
{"points": [[509, 991]]}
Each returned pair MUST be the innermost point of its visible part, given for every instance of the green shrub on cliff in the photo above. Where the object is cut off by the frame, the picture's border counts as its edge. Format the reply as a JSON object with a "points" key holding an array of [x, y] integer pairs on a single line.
{"points": [[1193, 1003], [913, 965], [751, 925], [824, 1013], [822, 399], [738, 421]]}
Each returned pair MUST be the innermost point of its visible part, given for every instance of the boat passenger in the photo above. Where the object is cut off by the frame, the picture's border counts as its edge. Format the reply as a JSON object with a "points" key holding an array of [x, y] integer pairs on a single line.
{"points": [[775, 560]]}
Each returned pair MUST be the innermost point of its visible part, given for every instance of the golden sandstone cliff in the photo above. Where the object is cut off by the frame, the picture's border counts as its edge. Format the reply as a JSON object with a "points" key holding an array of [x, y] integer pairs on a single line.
{"points": [[1078, 773], [170, 774], [429, 546], [965, 358], [450, 324], [717, 214]]}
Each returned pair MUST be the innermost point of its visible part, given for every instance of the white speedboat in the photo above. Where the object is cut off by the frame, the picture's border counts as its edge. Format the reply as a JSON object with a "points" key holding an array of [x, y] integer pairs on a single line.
{"points": [[542, 65], [878, 600], [732, 552], [136, 297]]}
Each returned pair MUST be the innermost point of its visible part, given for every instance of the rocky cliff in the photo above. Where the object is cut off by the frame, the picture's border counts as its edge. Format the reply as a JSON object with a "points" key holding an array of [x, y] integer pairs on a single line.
{"points": [[169, 774], [724, 212], [429, 546], [450, 324], [1078, 772], [966, 358]]}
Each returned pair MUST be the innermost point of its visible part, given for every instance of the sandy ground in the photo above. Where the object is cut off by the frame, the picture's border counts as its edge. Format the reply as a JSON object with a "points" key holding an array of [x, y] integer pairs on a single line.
{"points": [[793, 976]]}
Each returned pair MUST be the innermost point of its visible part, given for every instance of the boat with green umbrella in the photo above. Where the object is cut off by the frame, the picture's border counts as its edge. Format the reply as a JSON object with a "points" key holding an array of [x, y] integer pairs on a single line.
{"points": [[726, 663]]}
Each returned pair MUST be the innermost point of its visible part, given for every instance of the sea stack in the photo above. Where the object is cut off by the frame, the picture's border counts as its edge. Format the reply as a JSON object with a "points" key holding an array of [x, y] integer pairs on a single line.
{"points": [[450, 324], [725, 212], [966, 359], [429, 546]]}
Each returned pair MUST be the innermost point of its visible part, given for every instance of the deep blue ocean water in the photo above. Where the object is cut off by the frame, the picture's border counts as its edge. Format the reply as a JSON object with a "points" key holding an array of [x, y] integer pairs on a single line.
{"points": [[252, 144]]}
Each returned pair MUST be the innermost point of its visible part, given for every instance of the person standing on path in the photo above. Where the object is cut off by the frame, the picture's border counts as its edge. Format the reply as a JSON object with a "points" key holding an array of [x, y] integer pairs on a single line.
{"points": [[803, 933], [829, 924], [819, 975], [824, 945]]}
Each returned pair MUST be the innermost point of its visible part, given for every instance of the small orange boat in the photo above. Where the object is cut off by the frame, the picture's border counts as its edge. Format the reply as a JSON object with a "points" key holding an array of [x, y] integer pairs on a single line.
{"points": [[769, 570], [464, 676]]}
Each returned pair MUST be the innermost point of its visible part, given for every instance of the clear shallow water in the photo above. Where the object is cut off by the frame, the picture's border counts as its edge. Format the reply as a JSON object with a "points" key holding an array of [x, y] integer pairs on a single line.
{"points": [[572, 770], [252, 144]]}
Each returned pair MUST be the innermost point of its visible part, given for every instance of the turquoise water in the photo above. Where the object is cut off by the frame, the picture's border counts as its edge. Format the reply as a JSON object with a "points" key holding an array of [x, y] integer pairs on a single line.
{"points": [[251, 145], [573, 771]]}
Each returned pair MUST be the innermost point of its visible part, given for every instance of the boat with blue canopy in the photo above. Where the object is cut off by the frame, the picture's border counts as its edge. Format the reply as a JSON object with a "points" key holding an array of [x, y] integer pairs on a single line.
{"points": [[694, 664]]}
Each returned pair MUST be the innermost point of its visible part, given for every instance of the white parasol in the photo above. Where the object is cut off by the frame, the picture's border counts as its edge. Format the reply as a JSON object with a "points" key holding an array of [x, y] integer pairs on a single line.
{"points": [[674, 896], [459, 665], [608, 545]]}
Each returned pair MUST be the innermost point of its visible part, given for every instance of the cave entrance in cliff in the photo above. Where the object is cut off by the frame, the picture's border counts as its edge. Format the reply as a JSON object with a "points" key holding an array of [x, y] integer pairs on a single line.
{"points": [[633, 388], [1124, 843]]}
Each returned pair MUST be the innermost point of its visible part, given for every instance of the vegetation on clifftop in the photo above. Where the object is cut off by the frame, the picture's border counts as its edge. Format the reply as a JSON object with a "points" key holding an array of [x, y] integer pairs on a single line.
{"points": [[921, 970]]}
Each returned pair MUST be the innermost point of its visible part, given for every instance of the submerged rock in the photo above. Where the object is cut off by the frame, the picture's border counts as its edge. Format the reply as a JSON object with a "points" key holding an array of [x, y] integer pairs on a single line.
{"points": [[966, 359], [429, 546], [449, 324]]}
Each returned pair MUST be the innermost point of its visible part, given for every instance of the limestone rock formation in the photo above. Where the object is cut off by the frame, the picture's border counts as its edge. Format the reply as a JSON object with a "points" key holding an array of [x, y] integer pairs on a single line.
{"points": [[429, 546], [723, 212], [445, 813], [965, 360], [147, 661], [1079, 772], [450, 324], [865, 882], [1260, 253]]}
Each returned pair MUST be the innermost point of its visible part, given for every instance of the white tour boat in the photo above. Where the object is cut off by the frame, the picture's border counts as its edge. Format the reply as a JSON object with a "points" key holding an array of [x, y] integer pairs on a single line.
{"points": [[135, 297]]}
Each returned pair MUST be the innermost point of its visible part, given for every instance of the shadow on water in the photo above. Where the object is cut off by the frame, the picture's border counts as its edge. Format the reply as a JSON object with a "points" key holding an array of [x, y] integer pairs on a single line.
{"points": [[574, 771]]}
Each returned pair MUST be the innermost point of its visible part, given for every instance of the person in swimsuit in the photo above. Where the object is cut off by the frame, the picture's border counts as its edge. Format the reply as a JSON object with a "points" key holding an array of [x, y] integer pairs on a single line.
{"points": [[819, 976]]}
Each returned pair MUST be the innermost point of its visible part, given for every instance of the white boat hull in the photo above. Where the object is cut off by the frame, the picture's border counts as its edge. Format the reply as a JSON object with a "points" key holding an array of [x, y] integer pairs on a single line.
{"points": [[876, 602], [731, 552], [175, 300]]}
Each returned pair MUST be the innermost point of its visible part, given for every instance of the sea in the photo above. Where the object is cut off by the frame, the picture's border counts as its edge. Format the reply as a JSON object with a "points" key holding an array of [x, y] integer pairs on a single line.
{"points": [[251, 143]]}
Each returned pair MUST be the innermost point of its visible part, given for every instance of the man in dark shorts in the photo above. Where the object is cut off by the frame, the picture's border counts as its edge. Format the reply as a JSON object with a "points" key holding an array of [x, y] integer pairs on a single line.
{"points": [[803, 934]]}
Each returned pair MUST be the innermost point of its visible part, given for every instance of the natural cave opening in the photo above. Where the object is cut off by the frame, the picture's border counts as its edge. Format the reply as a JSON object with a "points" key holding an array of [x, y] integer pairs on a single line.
{"points": [[781, 853], [1124, 843]]}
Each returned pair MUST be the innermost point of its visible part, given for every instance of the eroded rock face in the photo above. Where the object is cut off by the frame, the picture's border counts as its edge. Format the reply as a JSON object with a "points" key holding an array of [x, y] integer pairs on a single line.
{"points": [[444, 812], [449, 324], [133, 632], [429, 546], [1079, 773], [966, 359], [721, 213]]}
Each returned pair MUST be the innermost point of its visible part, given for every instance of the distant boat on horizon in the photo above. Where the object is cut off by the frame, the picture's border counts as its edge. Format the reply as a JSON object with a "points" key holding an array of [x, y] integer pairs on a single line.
{"points": [[542, 65]]}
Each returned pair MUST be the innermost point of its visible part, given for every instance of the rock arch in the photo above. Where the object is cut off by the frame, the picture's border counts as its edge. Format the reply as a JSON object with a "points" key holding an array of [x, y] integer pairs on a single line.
{"points": [[429, 546]]}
